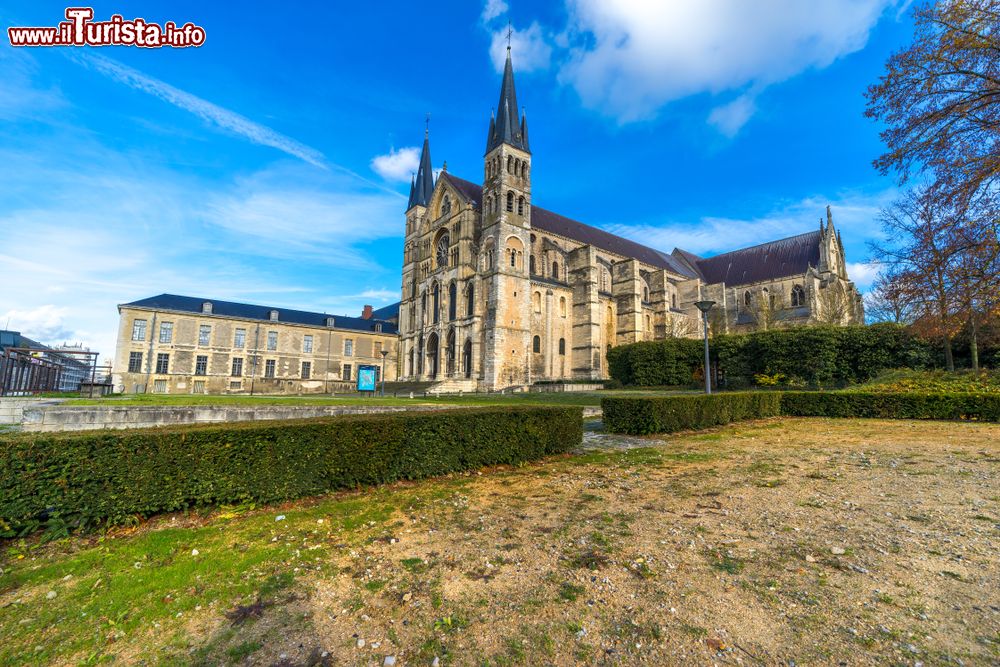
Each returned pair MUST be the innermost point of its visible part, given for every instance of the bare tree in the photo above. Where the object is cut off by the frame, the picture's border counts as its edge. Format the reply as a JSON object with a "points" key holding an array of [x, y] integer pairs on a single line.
{"points": [[890, 299], [681, 326], [833, 305], [940, 99], [765, 305]]}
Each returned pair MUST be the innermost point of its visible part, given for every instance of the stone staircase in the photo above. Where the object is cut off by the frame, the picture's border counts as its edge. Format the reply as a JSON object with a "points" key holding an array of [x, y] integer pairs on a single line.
{"points": [[454, 386]]}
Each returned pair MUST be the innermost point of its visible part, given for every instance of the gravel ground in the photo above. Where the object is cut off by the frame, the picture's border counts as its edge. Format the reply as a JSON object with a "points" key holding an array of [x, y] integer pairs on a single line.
{"points": [[778, 542]]}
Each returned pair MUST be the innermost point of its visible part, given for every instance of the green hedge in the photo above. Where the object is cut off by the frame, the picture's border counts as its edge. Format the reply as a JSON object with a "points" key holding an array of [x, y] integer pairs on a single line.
{"points": [[74, 480], [667, 414], [891, 406], [818, 356]]}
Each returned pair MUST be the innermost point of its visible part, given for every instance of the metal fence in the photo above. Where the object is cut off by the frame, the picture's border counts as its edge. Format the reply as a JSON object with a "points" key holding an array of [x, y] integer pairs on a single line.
{"points": [[26, 371]]}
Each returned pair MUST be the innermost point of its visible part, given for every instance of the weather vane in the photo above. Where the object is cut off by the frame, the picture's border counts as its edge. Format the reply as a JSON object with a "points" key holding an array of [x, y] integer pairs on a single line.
{"points": [[427, 125], [509, 32]]}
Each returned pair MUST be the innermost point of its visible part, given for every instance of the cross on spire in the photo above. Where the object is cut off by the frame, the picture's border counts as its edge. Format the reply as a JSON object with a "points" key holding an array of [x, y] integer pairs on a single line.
{"points": [[427, 126], [510, 31]]}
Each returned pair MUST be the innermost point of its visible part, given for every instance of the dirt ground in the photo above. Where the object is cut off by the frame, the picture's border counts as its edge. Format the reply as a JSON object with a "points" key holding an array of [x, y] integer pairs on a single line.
{"points": [[788, 542]]}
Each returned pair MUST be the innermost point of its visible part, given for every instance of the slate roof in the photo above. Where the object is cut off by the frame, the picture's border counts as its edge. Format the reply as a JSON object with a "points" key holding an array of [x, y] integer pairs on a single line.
{"points": [[190, 304], [390, 312], [422, 189], [554, 223], [506, 129], [767, 261]]}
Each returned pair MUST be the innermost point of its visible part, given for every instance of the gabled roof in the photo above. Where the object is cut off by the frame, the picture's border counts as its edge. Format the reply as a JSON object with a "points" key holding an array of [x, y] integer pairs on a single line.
{"points": [[190, 304], [767, 261], [554, 223]]}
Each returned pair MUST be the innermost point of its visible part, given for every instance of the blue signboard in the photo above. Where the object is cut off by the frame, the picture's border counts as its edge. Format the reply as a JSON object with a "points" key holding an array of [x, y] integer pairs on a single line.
{"points": [[366, 378]]}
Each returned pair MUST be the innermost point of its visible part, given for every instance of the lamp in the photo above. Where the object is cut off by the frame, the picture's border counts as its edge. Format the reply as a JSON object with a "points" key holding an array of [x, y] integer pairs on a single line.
{"points": [[704, 307]]}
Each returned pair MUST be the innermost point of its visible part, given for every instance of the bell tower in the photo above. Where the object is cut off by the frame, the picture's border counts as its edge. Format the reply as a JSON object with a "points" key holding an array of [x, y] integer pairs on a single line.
{"points": [[506, 225]]}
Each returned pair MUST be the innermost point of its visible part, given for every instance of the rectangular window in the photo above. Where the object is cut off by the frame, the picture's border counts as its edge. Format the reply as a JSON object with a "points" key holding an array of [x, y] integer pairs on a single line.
{"points": [[348, 348], [159, 386], [201, 365], [378, 349], [237, 367], [139, 330], [241, 339], [269, 368], [162, 364], [307, 344], [272, 340], [306, 369], [346, 373], [204, 334], [236, 384], [166, 332], [199, 386], [135, 362]]}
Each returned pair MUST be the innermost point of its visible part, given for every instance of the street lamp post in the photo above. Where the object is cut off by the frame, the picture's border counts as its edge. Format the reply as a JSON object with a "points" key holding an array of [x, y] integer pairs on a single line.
{"points": [[704, 307], [384, 353]]}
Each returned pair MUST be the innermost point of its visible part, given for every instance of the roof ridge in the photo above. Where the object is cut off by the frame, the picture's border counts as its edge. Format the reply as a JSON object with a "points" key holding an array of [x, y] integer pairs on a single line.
{"points": [[758, 245]]}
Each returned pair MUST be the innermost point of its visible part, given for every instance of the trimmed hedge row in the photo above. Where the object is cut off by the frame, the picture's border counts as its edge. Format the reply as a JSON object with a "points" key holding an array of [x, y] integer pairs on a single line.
{"points": [[68, 481], [814, 356], [950, 407], [667, 414]]}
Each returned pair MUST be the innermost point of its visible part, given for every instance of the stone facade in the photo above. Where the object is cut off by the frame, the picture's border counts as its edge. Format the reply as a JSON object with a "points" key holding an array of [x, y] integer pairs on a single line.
{"points": [[497, 292], [184, 345]]}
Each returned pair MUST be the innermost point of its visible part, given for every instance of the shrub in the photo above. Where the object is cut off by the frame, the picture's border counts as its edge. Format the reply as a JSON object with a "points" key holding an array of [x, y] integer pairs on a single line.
{"points": [[667, 414], [946, 406], [74, 480], [817, 356], [981, 382]]}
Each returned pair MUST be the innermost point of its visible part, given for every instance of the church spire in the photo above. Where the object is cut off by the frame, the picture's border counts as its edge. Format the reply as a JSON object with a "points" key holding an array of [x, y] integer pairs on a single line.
{"points": [[507, 129], [423, 187]]}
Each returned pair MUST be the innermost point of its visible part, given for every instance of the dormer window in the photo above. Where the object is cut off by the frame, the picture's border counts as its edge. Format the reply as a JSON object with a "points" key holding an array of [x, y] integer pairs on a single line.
{"points": [[207, 307], [329, 322], [378, 327], [273, 316]]}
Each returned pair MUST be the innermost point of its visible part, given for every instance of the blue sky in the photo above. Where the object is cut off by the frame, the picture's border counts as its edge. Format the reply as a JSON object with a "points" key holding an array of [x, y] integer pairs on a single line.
{"points": [[271, 164]]}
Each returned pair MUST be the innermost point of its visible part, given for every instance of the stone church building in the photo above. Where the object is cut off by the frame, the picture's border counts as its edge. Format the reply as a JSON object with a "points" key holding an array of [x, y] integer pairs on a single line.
{"points": [[499, 292]]}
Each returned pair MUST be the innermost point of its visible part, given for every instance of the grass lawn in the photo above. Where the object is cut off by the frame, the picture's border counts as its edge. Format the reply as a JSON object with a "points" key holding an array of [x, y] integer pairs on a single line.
{"points": [[813, 540], [589, 398]]}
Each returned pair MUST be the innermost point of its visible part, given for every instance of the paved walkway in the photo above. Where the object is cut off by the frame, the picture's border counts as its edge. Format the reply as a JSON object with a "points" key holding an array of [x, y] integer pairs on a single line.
{"points": [[595, 439]]}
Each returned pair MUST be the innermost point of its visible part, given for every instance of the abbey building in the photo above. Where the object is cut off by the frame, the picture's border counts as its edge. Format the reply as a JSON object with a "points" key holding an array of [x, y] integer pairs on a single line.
{"points": [[499, 292]]}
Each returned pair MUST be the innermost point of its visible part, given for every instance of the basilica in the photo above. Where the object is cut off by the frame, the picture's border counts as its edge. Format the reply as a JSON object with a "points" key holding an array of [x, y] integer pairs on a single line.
{"points": [[498, 292]]}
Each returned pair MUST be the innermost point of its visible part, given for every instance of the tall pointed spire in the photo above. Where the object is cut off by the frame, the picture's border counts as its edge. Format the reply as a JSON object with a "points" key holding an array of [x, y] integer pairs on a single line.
{"points": [[423, 187], [507, 128], [413, 191]]}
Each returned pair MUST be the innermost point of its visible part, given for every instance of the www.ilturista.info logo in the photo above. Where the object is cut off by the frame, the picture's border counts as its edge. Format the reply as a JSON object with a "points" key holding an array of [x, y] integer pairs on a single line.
{"points": [[81, 30]]}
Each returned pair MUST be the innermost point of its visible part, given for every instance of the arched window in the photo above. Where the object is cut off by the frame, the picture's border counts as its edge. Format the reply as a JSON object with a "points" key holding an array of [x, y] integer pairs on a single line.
{"points": [[436, 302], [524, 169], [562, 346], [510, 163], [452, 300], [513, 259], [673, 301], [555, 270], [562, 306], [470, 300], [531, 264], [443, 250], [645, 293], [768, 297], [423, 305], [536, 302], [536, 344], [798, 296], [520, 205], [747, 299], [510, 201], [446, 205]]}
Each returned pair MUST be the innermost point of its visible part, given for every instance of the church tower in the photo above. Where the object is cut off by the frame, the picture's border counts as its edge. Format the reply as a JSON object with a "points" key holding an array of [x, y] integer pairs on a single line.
{"points": [[410, 313], [506, 225]]}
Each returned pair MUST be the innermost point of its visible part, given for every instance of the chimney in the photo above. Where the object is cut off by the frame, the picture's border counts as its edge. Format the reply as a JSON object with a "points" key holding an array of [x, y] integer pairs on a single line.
{"points": [[366, 314]]}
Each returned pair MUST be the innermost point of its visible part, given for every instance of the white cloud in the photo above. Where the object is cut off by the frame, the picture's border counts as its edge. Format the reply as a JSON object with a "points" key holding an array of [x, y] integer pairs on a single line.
{"points": [[45, 323], [730, 118], [381, 295], [628, 58], [863, 273], [529, 49], [855, 214], [212, 113], [493, 9], [397, 165]]}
